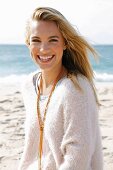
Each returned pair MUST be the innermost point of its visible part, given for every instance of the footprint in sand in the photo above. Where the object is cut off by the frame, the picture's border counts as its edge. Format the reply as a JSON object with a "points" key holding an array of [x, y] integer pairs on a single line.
{"points": [[6, 100]]}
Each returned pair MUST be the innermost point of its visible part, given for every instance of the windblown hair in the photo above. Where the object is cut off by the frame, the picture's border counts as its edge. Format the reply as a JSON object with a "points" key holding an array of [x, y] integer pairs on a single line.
{"points": [[75, 56]]}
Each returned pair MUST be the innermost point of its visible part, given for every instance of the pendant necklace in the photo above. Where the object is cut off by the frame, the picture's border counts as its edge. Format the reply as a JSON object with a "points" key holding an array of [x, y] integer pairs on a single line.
{"points": [[41, 121]]}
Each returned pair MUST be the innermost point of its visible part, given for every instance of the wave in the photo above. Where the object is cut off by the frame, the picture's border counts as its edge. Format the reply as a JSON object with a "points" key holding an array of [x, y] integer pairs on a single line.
{"points": [[12, 79], [103, 77], [16, 78]]}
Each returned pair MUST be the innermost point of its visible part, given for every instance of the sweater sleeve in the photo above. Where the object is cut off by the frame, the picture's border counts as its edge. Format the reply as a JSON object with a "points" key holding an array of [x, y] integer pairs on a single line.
{"points": [[80, 129], [30, 143]]}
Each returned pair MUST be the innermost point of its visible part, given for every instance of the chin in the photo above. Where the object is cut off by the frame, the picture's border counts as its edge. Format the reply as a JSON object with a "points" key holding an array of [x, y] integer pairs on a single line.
{"points": [[46, 69]]}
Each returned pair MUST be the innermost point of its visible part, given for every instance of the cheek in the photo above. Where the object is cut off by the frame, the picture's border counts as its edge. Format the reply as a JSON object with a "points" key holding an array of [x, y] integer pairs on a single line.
{"points": [[33, 50], [59, 47], [59, 50]]}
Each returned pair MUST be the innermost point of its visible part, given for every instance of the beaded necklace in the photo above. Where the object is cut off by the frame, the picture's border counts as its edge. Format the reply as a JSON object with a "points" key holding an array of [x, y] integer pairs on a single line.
{"points": [[42, 120]]}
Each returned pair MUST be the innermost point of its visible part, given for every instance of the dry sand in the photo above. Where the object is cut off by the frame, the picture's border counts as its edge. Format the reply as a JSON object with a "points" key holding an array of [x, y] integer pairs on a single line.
{"points": [[12, 116]]}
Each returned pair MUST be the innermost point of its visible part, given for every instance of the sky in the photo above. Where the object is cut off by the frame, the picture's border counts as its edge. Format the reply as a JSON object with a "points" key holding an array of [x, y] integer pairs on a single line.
{"points": [[93, 18]]}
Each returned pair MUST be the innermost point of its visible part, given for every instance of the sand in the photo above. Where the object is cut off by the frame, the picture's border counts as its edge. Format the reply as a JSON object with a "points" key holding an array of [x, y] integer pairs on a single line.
{"points": [[12, 116]]}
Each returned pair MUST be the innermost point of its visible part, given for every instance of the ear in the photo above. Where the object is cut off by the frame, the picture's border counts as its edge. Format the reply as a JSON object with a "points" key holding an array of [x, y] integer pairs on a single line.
{"points": [[64, 47], [31, 54], [28, 45]]}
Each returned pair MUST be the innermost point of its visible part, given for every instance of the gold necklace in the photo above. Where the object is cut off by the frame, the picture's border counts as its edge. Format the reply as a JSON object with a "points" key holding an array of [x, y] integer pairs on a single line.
{"points": [[42, 121]]}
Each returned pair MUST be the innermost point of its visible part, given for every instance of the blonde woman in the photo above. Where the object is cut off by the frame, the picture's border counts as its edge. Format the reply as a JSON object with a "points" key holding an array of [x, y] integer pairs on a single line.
{"points": [[61, 129]]}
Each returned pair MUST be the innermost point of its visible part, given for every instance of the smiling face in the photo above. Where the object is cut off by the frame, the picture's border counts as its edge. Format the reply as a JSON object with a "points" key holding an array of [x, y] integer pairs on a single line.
{"points": [[46, 45]]}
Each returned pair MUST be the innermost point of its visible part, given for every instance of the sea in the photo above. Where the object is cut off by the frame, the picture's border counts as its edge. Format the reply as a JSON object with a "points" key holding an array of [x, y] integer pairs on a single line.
{"points": [[16, 63]]}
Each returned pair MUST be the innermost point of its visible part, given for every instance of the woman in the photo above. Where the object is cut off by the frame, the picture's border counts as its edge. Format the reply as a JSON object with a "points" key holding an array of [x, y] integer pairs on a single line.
{"points": [[61, 129]]}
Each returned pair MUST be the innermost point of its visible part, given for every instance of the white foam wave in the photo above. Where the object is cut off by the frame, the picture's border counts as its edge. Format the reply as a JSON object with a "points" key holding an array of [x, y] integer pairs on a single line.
{"points": [[103, 77], [14, 79]]}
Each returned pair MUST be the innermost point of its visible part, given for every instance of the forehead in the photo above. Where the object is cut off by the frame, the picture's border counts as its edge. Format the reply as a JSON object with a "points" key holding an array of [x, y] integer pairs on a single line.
{"points": [[44, 28]]}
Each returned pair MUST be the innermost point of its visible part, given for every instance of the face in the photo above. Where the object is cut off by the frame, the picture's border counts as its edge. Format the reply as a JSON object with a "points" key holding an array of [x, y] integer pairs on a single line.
{"points": [[46, 45]]}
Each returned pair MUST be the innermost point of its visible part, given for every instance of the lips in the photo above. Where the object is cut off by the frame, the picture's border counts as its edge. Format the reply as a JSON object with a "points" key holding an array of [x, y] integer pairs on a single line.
{"points": [[45, 58]]}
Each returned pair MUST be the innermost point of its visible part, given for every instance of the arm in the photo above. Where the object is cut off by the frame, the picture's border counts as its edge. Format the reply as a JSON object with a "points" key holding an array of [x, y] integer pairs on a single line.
{"points": [[29, 153], [31, 136], [79, 129]]}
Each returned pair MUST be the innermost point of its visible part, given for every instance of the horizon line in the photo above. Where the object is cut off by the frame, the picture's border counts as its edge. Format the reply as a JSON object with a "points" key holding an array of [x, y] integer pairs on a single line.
{"points": [[26, 45]]}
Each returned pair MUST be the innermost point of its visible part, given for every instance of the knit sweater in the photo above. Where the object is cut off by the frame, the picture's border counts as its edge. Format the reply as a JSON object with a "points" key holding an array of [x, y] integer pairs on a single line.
{"points": [[72, 139]]}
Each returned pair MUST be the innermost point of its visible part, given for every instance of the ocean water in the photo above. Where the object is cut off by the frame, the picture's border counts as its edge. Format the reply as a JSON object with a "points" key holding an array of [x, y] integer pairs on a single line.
{"points": [[16, 63]]}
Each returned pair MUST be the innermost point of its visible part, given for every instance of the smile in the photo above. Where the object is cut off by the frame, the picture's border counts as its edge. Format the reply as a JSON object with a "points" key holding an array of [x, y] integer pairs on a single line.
{"points": [[45, 58]]}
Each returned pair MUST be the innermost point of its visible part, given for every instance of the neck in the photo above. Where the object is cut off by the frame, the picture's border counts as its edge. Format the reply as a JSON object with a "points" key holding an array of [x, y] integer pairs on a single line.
{"points": [[48, 78]]}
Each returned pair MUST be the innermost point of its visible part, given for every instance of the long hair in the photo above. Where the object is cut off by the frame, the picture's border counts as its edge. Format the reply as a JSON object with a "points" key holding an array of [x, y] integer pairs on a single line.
{"points": [[75, 56]]}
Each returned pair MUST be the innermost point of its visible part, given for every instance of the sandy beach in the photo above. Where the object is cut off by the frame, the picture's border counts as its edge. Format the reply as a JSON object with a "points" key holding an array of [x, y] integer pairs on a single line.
{"points": [[12, 116]]}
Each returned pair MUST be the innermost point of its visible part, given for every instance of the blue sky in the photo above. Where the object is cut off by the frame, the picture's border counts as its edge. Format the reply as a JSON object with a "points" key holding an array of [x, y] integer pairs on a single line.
{"points": [[93, 18]]}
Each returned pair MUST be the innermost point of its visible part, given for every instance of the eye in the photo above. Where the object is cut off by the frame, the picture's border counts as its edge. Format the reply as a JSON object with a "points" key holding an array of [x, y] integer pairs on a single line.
{"points": [[53, 40], [35, 40]]}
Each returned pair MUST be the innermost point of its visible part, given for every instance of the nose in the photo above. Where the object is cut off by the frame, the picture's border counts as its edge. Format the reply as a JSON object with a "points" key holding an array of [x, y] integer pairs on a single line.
{"points": [[44, 48]]}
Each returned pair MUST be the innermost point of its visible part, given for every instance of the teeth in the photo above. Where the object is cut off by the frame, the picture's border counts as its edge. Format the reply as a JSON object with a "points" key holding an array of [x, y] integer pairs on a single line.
{"points": [[44, 58]]}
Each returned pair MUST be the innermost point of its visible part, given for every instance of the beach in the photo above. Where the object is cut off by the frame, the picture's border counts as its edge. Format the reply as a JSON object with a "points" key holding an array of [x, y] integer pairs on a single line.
{"points": [[12, 117]]}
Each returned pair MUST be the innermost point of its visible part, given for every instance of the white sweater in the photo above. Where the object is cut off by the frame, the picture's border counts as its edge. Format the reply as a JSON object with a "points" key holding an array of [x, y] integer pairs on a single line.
{"points": [[72, 139]]}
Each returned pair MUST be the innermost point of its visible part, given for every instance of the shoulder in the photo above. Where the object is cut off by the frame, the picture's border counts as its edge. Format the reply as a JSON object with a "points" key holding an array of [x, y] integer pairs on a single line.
{"points": [[85, 84], [71, 90], [28, 81], [72, 84]]}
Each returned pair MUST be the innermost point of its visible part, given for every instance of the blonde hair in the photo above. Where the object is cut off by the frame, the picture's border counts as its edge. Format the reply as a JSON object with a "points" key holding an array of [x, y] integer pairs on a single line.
{"points": [[75, 56]]}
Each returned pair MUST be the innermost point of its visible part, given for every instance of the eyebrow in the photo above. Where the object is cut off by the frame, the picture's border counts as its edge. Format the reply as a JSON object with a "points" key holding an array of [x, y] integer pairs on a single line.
{"points": [[54, 36], [35, 37]]}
